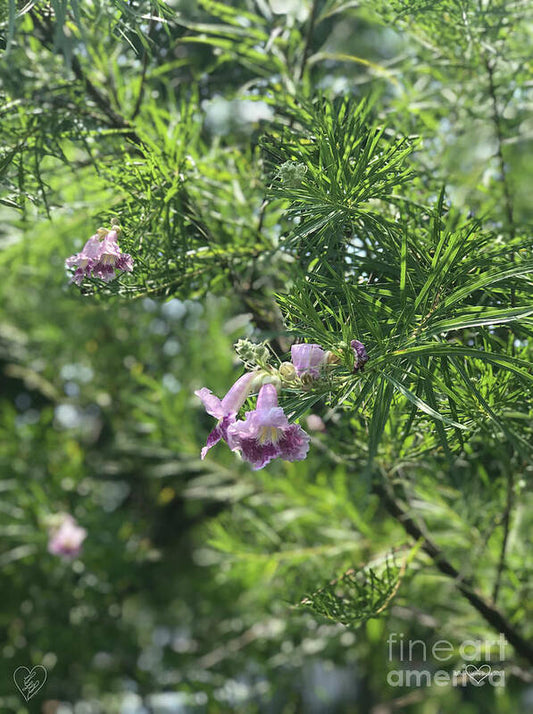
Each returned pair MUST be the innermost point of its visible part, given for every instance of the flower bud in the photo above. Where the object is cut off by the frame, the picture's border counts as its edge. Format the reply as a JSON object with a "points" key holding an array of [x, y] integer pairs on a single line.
{"points": [[360, 355], [272, 379], [315, 423], [263, 377], [308, 359], [307, 379], [261, 353], [292, 173], [287, 371], [245, 350], [332, 358]]}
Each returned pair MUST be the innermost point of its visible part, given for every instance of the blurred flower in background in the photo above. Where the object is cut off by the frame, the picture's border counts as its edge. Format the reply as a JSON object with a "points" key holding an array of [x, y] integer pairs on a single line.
{"points": [[315, 423], [66, 536]]}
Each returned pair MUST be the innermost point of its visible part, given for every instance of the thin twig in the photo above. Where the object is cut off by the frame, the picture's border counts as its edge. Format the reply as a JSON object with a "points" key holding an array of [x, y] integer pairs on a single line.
{"points": [[116, 120], [140, 96], [503, 171], [499, 151], [506, 528]]}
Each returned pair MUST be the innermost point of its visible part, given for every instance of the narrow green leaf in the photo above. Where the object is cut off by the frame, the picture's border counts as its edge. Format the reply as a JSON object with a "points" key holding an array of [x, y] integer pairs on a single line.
{"points": [[478, 317], [414, 399]]}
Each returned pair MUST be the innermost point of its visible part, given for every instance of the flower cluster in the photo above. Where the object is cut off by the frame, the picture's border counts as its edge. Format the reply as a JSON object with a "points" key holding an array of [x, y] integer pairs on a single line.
{"points": [[66, 536], [266, 433], [100, 257]]}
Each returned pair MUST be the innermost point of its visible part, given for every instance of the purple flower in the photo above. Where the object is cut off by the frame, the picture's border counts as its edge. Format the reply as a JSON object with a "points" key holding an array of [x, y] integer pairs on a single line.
{"points": [[84, 260], [226, 409], [266, 434], [308, 359], [66, 539], [361, 357], [100, 258], [111, 258]]}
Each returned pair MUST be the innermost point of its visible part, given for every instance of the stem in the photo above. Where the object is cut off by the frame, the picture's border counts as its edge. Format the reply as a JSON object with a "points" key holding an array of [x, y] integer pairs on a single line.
{"points": [[511, 226], [499, 153], [140, 96], [103, 103], [116, 120], [308, 38], [485, 608], [506, 529]]}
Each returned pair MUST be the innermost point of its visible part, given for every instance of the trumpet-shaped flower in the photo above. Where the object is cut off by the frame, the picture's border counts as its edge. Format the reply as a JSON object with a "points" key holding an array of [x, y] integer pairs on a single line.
{"points": [[66, 540], [226, 409], [100, 258], [266, 433], [308, 359], [85, 260]]}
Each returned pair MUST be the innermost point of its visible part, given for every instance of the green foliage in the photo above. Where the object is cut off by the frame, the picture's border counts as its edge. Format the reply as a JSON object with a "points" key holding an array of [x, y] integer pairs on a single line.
{"points": [[356, 596], [320, 172], [349, 164]]}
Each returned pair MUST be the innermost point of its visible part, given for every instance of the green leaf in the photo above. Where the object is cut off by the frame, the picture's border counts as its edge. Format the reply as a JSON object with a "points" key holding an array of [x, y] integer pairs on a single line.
{"points": [[519, 367], [420, 403], [478, 317]]}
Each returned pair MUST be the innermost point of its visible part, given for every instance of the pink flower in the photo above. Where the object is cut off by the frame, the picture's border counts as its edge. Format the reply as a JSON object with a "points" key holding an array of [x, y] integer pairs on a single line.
{"points": [[226, 409], [85, 260], [266, 434], [308, 359], [66, 539], [315, 423], [100, 258], [361, 357]]}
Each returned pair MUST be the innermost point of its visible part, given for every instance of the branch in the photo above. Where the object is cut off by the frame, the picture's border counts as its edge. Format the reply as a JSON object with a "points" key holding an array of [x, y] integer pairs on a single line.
{"points": [[499, 152], [140, 96], [506, 528], [511, 225], [485, 608], [116, 120]]}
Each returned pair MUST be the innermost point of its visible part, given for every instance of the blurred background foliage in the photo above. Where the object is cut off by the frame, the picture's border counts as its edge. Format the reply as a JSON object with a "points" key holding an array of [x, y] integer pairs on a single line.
{"points": [[203, 586]]}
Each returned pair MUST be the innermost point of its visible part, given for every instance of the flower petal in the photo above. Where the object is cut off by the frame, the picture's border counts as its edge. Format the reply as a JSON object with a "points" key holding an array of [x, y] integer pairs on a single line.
{"points": [[361, 357], [307, 359], [294, 444], [219, 432], [238, 394], [257, 455], [212, 404], [266, 433]]}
